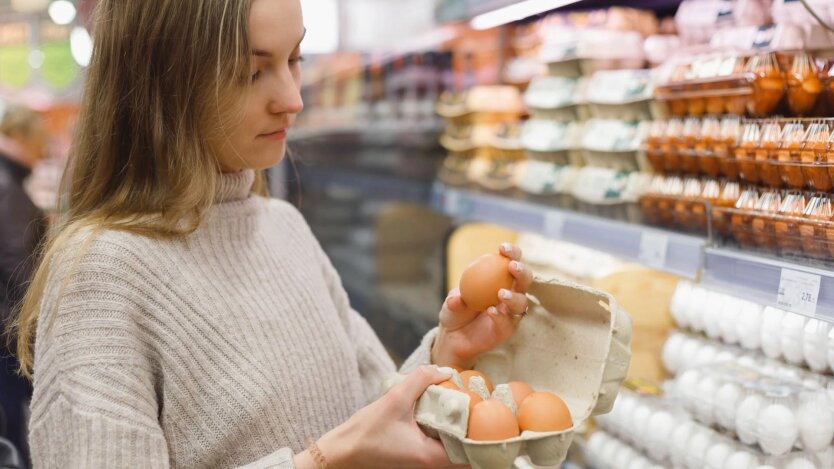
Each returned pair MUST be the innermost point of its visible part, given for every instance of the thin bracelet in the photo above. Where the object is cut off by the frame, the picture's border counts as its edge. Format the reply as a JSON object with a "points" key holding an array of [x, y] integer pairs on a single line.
{"points": [[315, 452]]}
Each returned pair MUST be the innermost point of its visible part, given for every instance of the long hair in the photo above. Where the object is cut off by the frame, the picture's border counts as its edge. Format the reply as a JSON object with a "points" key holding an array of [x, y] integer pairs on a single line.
{"points": [[164, 77]]}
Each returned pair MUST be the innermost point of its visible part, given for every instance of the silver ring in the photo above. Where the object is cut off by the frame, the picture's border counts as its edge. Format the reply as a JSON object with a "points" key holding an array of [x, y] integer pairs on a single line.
{"points": [[521, 314]]}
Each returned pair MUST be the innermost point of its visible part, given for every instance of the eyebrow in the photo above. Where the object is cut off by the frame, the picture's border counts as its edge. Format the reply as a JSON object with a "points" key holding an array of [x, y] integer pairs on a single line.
{"points": [[263, 53]]}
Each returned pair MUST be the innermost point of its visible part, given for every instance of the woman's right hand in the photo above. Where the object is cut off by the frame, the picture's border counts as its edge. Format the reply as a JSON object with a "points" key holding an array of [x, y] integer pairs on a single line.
{"points": [[385, 434]]}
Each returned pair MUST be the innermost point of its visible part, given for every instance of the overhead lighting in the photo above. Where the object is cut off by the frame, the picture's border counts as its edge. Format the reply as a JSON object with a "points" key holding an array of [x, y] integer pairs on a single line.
{"points": [[62, 12], [515, 12], [81, 46]]}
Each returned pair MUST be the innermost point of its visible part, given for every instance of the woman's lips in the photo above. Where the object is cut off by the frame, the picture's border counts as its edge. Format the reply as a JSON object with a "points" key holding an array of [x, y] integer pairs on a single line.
{"points": [[278, 135]]}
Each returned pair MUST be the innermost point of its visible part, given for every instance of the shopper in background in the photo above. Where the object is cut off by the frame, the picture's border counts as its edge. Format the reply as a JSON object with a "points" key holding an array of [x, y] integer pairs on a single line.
{"points": [[182, 320], [22, 143]]}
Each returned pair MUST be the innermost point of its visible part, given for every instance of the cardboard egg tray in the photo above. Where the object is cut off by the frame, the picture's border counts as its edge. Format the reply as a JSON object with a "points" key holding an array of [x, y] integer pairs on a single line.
{"points": [[574, 343]]}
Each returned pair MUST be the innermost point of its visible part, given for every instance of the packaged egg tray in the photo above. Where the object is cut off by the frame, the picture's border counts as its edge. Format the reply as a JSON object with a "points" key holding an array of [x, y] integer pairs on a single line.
{"points": [[605, 451], [669, 435], [776, 414], [796, 339], [574, 343]]}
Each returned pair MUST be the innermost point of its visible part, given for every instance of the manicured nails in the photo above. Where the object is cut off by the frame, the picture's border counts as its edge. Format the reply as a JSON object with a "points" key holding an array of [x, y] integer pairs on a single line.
{"points": [[492, 310], [517, 266], [446, 370], [505, 294], [507, 247]]}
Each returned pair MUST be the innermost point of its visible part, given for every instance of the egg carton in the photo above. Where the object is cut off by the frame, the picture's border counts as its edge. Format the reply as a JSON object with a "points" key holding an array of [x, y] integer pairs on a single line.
{"points": [[775, 413], [574, 343], [777, 333], [670, 436]]}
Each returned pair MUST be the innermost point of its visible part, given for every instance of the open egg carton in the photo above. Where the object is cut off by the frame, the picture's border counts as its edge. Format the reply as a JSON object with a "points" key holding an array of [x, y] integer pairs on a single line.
{"points": [[778, 334], [778, 415], [573, 343], [621, 94], [669, 435]]}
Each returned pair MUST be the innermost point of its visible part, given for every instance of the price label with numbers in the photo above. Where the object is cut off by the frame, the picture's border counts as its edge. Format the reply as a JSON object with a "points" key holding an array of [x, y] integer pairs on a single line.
{"points": [[554, 224], [798, 291], [653, 249]]}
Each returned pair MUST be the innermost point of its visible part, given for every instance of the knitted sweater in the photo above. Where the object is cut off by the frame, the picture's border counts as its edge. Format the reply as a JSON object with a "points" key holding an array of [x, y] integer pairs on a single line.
{"points": [[229, 347]]}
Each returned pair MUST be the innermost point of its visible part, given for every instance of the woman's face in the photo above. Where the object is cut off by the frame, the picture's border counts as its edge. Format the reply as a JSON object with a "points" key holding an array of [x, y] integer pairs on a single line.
{"points": [[258, 137]]}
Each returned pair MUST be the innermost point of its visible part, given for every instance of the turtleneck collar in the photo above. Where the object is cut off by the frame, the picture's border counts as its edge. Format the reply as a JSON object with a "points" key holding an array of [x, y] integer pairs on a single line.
{"points": [[235, 186]]}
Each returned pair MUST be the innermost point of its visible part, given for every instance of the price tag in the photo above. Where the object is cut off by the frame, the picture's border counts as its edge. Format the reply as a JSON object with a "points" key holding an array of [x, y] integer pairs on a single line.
{"points": [[653, 249], [554, 224], [798, 291]]}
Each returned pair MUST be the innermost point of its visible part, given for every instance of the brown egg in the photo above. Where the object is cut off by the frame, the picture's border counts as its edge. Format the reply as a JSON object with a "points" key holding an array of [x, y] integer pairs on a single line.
{"points": [[481, 281], [803, 85], [491, 420], [544, 412], [457, 368], [813, 157], [765, 154], [474, 399], [520, 391], [468, 374], [793, 135]]}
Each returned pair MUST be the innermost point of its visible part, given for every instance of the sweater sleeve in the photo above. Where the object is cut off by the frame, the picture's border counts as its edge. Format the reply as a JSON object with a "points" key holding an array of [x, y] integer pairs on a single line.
{"points": [[95, 403]]}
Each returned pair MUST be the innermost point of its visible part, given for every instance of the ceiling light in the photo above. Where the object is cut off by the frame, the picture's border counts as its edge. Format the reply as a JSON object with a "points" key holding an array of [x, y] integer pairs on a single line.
{"points": [[81, 46], [62, 12], [516, 12]]}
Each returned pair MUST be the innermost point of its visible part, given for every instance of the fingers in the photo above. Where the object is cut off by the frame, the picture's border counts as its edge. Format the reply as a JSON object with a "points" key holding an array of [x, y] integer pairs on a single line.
{"points": [[503, 324], [523, 276], [515, 303], [434, 454], [416, 383], [511, 251]]}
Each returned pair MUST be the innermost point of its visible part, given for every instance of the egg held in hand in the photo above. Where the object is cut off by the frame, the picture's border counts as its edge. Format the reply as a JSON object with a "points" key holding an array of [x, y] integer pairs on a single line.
{"points": [[481, 281], [491, 420], [544, 412]]}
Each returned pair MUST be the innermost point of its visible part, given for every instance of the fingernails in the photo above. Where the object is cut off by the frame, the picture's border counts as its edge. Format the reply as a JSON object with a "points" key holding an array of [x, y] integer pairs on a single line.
{"points": [[507, 247], [505, 294], [492, 310], [518, 266], [446, 370]]}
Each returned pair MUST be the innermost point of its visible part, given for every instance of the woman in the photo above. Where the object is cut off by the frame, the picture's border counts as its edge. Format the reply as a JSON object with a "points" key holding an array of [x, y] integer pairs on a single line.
{"points": [[181, 321]]}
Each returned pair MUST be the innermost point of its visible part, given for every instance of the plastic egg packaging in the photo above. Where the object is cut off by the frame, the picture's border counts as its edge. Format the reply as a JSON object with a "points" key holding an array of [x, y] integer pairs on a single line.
{"points": [[582, 357], [605, 451]]}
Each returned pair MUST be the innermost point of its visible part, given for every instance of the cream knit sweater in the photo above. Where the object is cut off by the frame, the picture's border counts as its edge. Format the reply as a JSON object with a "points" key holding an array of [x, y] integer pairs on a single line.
{"points": [[226, 348]]}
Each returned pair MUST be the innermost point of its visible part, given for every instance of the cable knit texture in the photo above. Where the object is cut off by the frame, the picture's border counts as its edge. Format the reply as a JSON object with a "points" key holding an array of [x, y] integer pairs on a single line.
{"points": [[227, 348]]}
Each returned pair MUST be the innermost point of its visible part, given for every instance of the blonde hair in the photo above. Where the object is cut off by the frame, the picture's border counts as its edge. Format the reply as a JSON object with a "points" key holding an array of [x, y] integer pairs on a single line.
{"points": [[19, 121], [164, 76]]}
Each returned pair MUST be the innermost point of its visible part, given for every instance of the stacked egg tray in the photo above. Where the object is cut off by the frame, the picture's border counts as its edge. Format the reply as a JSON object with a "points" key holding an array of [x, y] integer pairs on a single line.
{"points": [[670, 436], [776, 333], [605, 451], [574, 343], [775, 414]]}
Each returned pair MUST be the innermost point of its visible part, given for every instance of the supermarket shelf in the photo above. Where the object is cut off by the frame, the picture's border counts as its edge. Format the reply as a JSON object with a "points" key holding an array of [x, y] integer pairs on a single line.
{"points": [[367, 184], [799, 288], [397, 133], [672, 252]]}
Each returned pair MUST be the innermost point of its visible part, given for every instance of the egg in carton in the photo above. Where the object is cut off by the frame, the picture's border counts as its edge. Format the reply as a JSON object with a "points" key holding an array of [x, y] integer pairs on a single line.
{"points": [[574, 343]]}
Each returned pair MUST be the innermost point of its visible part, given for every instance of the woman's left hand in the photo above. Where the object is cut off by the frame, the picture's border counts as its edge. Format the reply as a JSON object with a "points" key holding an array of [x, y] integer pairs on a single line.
{"points": [[464, 333]]}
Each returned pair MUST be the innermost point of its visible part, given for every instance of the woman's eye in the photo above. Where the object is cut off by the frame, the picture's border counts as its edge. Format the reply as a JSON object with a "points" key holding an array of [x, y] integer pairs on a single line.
{"points": [[297, 60], [256, 75]]}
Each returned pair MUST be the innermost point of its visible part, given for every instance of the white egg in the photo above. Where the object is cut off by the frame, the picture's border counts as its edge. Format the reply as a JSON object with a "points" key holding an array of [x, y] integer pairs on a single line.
{"points": [[793, 329], [609, 450], [640, 423], [698, 445], [717, 454], [696, 308], [772, 332], [625, 455], [748, 361], [725, 355], [687, 383], [727, 399], [749, 325], [680, 441], [678, 303], [777, 429], [705, 404], [712, 313], [728, 319], [689, 350], [627, 404], [741, 460], [639, 463], [661, 424], [747, 418], [597, 441], [671, 353], [814, 344], [816, 422], [706, 355], [801, 463]]}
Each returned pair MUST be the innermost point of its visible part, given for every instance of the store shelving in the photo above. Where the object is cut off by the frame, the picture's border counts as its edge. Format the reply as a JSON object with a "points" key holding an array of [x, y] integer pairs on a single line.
{"points": [[672, 252], [794, 286]]}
